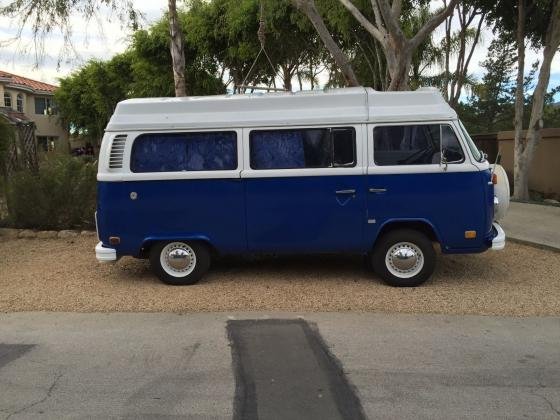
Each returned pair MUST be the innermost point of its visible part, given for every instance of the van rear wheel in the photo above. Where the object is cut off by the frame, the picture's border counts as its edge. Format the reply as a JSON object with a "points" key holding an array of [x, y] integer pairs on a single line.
{"points": [[179, 263], [404, 258]]}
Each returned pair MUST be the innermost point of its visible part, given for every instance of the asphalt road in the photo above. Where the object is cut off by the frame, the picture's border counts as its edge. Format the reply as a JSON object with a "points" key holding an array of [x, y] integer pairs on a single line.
{"points": [[58, 365]]}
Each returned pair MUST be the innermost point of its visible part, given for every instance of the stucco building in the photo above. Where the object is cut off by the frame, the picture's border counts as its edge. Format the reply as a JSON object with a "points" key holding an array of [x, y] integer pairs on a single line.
{"points": [[33, 101]]}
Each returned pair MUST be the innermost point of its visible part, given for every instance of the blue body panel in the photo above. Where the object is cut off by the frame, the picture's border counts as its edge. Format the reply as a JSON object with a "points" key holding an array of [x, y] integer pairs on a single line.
{"points": [[207, 209], [296, 214], [306, 214], [450, 202]]}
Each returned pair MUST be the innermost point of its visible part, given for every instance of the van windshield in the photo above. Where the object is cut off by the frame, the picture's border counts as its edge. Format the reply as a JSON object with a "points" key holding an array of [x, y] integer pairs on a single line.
{"points": [[477, 154]]}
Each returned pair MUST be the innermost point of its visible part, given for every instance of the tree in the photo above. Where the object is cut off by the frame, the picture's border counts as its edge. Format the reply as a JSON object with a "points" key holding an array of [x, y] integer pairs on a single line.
{"points": [[519, 91], [46, 16], [427, 54], [310, 10], [385, 27], [289, 38], [152, 63], [462, 44], [534, 23], [226, 32], [489, 108], [525, 150], [87, 98], [232, 33], [177, 50]]}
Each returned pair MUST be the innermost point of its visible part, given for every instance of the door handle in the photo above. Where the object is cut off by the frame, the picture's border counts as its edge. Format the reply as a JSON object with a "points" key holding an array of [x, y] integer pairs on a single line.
{"points": [[377, 190], [346, 192]]}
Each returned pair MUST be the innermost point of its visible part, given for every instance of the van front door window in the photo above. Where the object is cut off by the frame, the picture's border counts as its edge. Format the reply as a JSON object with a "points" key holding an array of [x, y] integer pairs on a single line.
{"points": [[419, 144]]}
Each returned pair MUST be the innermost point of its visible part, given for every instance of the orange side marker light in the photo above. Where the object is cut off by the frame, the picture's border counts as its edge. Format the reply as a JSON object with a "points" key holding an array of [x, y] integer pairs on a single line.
{"points": [[470, 234]]}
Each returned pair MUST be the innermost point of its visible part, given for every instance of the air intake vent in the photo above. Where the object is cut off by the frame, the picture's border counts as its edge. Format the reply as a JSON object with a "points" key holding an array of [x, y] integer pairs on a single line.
{"points": [[117, 151]]}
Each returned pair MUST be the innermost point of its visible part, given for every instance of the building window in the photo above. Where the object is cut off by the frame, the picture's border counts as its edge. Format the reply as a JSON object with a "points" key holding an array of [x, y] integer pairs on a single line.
{"points": [[46, 143], [420, 144], [19, 102], [176, 152], [44, 106], [7, 100], [303, 148]]}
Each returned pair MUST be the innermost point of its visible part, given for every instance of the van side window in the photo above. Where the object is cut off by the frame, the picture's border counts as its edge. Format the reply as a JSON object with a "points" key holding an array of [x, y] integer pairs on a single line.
{"points": [[302, 148], [344, 147], [450, 145], [176, 152], [415, 144]]}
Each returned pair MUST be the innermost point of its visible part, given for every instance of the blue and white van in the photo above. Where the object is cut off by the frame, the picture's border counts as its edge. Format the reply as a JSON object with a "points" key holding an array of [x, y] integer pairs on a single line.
{"points": [[384, 174]]}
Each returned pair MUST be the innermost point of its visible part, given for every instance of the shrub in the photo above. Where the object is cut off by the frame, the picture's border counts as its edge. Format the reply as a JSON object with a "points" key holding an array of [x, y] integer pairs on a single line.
{"points": [[62, 195]]}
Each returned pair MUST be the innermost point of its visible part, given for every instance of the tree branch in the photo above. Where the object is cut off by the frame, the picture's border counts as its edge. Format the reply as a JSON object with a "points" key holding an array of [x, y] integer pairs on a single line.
{"points": [[463, 74], [309, 9], [368, 26], [378, 19], [391, 20], [396, 8], [433, 23]]}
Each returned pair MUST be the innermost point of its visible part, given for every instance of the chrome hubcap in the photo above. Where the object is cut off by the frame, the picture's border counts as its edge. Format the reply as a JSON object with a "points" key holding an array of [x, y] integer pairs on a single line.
{"points": [[404, 260], [178, 259]]}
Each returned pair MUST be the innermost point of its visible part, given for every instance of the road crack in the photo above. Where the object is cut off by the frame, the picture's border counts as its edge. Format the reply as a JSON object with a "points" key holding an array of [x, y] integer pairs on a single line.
{"points": [[545, 399], [48, 394]]}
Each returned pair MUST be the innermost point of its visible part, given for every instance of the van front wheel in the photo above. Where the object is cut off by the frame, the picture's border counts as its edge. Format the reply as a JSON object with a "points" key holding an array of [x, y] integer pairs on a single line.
{"points": [[404, 258], [179, 263]]}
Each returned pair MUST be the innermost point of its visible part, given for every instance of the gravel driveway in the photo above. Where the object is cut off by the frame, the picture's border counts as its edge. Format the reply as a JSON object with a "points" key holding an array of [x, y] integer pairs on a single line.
{"points": [[63, 275]]}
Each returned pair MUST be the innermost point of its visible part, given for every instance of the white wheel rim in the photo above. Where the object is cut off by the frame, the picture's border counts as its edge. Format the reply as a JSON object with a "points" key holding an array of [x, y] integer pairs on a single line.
{"points": [[404, 260], [177, 259]]}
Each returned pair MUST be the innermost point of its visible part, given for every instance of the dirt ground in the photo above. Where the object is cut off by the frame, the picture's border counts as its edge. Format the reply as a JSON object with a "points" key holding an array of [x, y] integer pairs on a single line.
{"points": [[63, 275]]}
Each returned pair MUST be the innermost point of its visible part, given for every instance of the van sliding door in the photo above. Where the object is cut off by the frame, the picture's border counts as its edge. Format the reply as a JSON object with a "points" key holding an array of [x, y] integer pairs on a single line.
{"points": [[304, 189]]}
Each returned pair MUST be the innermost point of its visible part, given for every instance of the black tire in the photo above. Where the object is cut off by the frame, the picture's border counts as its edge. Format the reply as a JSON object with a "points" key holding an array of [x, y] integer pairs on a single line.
{"points": [[410, 236], [202, 263]]}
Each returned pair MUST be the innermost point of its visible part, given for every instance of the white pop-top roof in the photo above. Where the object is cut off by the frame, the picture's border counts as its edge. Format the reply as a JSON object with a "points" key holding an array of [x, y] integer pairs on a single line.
{"points": [[330, 106]]}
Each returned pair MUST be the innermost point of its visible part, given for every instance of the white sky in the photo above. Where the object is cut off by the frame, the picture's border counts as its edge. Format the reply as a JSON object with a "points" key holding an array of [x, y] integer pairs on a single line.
{"points": [[103, 39]]}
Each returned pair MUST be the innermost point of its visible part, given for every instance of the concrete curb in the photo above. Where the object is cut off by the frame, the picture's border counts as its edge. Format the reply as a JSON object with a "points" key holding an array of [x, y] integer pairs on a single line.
{"points": [[8, 233], [533, 244]]}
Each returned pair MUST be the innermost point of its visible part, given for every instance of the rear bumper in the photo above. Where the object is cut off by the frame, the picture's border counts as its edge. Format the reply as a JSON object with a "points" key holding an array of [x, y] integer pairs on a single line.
{"points": [[104, 254], [499, 241]]}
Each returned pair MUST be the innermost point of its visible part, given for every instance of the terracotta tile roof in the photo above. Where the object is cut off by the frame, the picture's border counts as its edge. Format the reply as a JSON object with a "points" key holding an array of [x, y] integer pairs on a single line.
{"points": [[14, 116], [27, 83]]}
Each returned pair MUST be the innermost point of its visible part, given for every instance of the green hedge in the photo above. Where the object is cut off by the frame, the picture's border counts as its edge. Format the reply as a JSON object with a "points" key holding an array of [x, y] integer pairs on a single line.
{"points": [[62, 195]]}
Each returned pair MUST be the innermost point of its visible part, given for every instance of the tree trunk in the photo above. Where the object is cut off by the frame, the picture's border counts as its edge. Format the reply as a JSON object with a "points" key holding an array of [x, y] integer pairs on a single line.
{"points": [[398, 64], [462, 71], [309, 9], [535, 123], [447, 53], [382, 69], [519, 161], [177, 50], [287, 78]]}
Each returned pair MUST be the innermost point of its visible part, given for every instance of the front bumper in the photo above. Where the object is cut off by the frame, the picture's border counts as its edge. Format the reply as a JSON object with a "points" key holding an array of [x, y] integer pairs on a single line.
{"points": [[499, 241], [104, 254]]}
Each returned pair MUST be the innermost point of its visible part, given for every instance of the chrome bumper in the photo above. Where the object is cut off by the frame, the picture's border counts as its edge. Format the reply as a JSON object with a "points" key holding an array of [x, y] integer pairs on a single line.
{"points": [[499, 241], [105, 254]]}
